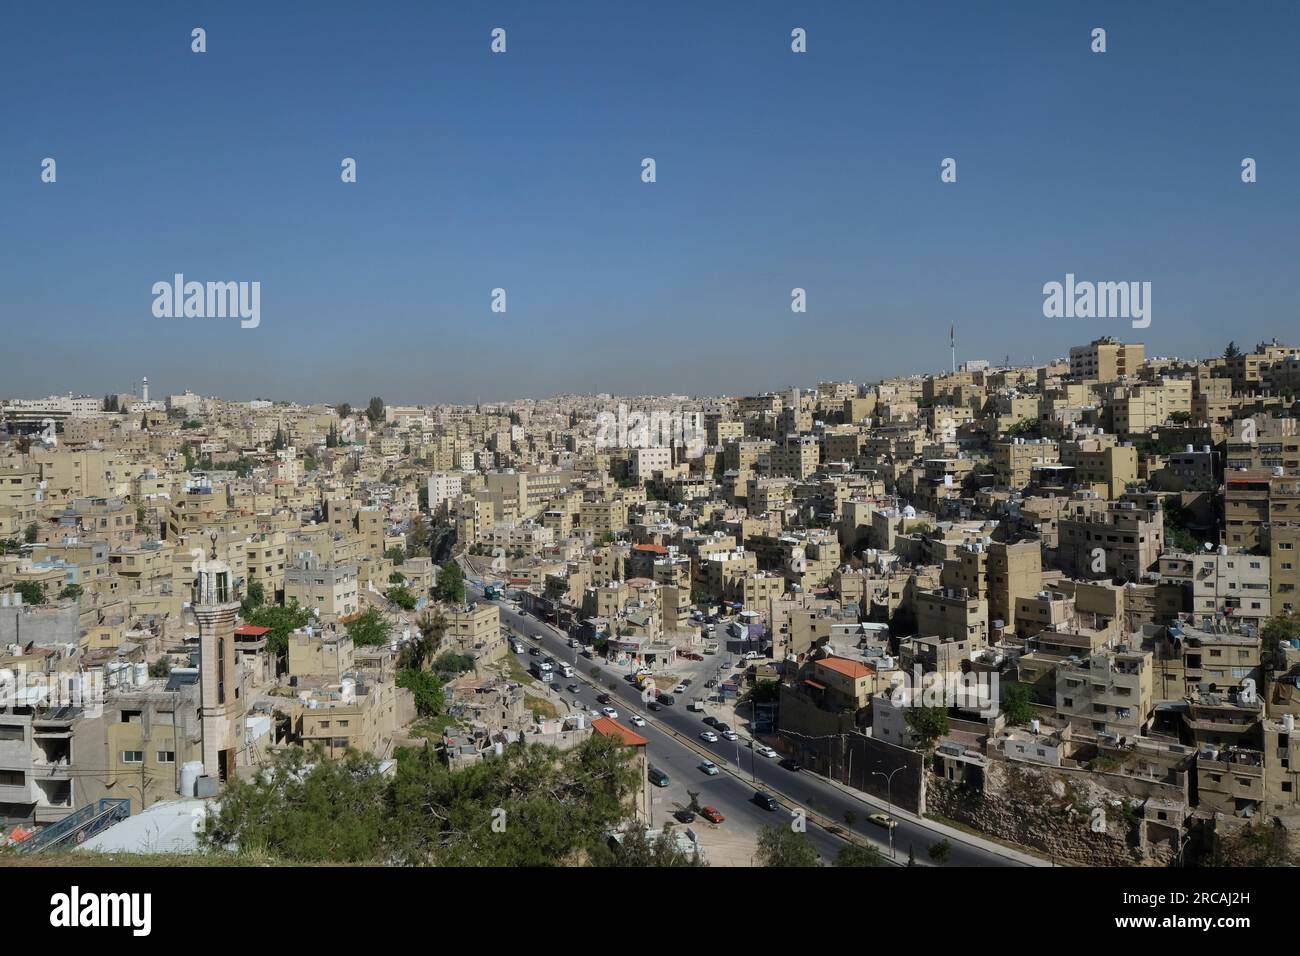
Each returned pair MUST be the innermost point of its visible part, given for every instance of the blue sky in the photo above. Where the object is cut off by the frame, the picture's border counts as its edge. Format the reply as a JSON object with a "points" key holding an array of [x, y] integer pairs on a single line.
{"points": [[522, 171]]}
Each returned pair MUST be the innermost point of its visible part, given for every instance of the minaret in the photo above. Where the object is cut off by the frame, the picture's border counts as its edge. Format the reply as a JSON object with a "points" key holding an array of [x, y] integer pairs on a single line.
{"points": [[215, 603], [144, 392]]}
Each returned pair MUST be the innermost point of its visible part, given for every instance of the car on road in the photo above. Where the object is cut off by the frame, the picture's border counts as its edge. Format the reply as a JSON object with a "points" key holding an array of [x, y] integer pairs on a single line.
{"points": [[731, 735], [666, 699], [636, 720], [573, 642], [721, 728], [679, 689], [883, 820], [765, 751], [602, 698], [657, 777], [790, 764], [573, 688], [708, 736], [710, 683], [609, 712], [711, 721], [712, 814], [765, 800], [710, 768], [533, 651], [653, 705], [688, 682], [684, 816]]}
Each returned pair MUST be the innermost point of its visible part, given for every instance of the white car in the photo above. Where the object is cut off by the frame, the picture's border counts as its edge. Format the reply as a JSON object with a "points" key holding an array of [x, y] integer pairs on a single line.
{"points": [[765, 750], [609, 712], [731, 735], [636, 720], [708, 736], [710, 768], [679, 689]]}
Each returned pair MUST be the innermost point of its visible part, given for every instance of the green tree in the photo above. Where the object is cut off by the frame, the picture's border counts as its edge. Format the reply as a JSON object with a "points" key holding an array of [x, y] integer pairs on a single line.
{"points": [[1017, 703], [928, 723], [396, 555], [426, 688], [449, 664], [31, 592], [853, 855], [637, 850], [419, 652], [450, 588], [778, 845], [73, 591], [1231, 351], [344, 410], [940, 851], [30, 534], [402, 597], [254, 597], [282, 622], [375, 410], [1253, 845], [370, 628]]}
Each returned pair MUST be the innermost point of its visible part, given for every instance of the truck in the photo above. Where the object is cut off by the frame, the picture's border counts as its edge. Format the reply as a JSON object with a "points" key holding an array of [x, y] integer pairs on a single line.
{"points": [[543, 671], [492, 592], [696, 704], [566, 670]]}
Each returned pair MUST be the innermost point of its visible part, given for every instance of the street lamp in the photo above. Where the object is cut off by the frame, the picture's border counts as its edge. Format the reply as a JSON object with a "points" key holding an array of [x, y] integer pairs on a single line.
{"points": [[889, 800]]}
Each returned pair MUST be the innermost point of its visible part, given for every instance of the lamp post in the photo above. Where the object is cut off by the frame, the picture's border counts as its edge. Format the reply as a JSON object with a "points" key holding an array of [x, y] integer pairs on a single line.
{"points": [[889, 800]]}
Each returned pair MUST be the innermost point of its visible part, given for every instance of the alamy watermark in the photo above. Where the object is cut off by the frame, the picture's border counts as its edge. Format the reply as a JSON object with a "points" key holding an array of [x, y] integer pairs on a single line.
{"points": [[1098, 300], [209, 300], [972, 691], [650, 428]]}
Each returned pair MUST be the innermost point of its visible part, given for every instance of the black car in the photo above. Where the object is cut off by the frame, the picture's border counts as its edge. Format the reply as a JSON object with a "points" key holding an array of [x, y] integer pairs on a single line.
{"points": [[533, 651], [711, 721], [710, 683], [684, 816], [722, 728], [653, 705], [602, 698], [765, 800], [688, 682], [790, 764]]}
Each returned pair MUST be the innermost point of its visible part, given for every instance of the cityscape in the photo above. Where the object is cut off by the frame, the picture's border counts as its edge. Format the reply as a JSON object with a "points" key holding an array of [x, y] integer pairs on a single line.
{"points": [[444, 439], [997, 616]]}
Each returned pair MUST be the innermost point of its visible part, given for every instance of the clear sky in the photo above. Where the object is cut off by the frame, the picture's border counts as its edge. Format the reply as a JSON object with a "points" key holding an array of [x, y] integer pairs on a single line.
{"points": [[522, 171]]}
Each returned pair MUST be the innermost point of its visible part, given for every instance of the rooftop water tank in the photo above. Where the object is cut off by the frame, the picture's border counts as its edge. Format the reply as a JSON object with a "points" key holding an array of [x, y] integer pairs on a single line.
{"points": [[191, 770]]}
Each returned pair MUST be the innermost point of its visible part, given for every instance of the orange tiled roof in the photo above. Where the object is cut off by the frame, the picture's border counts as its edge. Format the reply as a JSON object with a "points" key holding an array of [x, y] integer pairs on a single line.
{"points": [[851, 669], [612, 728]]}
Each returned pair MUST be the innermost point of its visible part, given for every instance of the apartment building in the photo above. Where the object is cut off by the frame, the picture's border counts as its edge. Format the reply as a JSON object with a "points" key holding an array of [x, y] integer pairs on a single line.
{"points": [[1106, 360], [328, 588], [1129, 539], [1108, 693]]}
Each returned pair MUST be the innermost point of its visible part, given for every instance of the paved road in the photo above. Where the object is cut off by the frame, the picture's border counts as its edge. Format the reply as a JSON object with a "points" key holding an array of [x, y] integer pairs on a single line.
{"points": [[731, 795]]}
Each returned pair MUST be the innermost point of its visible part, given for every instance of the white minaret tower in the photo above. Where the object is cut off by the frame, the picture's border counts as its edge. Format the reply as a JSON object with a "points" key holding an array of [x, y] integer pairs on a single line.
{"points": [[144, 392]]}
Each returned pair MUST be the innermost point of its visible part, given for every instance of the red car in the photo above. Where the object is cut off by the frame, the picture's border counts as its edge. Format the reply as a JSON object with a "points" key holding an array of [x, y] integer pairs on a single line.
{"points": [[712, 815]]}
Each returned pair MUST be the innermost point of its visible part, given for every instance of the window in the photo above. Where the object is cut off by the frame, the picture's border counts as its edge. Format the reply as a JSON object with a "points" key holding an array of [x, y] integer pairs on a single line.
{"points": [[166, 756], [132, 756]]}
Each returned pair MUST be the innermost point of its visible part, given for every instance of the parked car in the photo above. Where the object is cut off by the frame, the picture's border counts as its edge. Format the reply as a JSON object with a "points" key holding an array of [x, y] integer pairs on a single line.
{"points": [[679, 689], [636, 720], [721, 727], [688, 682], [609, 712], [765, 800], [731, 735], [710, 768], [684, 816], [765, 751], [573, 688], [711, 721], [712, 814], [653, 705], [883, 820], [790, 764], [711, 682], [708, 736]]}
